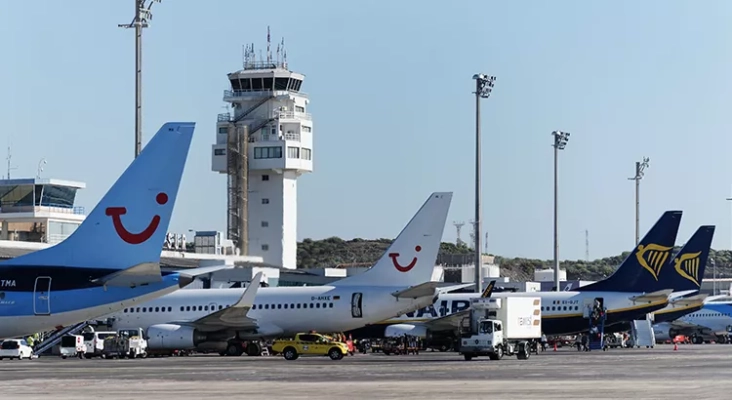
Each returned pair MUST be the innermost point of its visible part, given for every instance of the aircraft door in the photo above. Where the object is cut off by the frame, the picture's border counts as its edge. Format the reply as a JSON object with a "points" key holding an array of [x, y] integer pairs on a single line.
{"points": [[356, 303], [213, 307], [42, 296]]}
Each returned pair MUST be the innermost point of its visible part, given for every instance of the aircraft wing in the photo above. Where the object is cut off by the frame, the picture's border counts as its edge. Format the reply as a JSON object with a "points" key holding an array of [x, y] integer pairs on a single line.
{"points": [[234, 316], [448, 322], [653, 296], [140, 274]]}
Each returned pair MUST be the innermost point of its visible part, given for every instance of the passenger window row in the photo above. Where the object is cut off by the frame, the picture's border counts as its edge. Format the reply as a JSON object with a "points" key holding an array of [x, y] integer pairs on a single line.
{"points": [[560, 308], [291, 306], [148, 309], [286, 306]]}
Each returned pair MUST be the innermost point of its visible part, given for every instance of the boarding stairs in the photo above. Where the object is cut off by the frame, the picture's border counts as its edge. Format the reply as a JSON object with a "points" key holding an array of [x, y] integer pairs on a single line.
{"points": [[597, 331], [642, 333], [251, 109], [55, 338]]}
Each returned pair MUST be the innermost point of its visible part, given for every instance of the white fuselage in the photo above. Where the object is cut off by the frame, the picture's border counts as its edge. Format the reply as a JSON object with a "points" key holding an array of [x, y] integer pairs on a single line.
{"points": [[562, 312], [277, 311]]}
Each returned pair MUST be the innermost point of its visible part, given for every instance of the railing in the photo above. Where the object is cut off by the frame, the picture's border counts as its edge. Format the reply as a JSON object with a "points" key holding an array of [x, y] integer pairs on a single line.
{"points": [[248, 92], [61, 210], [293, 115], [292, 136]]}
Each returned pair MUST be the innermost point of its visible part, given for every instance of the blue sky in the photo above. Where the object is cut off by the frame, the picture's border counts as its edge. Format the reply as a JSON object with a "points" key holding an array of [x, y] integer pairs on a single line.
{"points": [[390, 88]]}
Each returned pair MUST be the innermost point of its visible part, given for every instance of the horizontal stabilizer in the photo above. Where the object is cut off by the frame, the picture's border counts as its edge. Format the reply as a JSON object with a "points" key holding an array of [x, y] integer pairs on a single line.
{"points": [[234, 316], [428, 289], [653, 296], [691, 301], [140, 274], [449, 322]]}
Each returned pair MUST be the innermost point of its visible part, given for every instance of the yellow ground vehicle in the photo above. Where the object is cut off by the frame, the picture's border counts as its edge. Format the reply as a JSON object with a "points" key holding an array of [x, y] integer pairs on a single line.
{"points": [[310, 344]]}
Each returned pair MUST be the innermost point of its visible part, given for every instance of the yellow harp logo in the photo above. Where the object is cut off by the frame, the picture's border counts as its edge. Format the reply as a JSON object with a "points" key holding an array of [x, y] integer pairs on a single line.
{"points": [[687, 265], [653, 257]]}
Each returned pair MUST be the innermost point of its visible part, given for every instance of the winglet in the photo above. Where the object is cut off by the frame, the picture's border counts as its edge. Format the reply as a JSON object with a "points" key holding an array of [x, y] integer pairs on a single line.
{"points": [[250, 293], [489, 289]]}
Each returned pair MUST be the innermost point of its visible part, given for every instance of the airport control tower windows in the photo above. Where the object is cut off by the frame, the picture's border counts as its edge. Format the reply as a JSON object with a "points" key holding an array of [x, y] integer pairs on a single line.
{"points": [[281, 83], [268, 83]]}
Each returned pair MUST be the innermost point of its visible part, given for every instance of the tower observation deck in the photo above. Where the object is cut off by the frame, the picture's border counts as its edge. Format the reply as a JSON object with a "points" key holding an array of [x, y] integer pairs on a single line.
{"points": [[263, 146]]}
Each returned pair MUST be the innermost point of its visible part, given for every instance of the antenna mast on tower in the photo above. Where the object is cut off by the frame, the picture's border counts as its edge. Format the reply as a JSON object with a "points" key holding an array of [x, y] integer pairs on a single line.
{"points": [[458, 227]]}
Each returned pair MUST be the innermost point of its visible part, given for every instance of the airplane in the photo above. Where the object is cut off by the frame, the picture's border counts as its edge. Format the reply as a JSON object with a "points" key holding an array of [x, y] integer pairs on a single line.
{"points": [[635, 289], [111, 261], [712, 322], [688, 266], [232, 321]]}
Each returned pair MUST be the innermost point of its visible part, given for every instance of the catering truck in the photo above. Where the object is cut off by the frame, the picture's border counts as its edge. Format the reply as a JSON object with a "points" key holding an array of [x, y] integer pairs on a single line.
{"points": [[499, 326]]}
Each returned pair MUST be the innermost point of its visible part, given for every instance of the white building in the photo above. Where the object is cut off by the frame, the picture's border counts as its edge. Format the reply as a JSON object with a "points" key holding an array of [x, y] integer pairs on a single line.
{"points": [[266, 98], [39, 210]]}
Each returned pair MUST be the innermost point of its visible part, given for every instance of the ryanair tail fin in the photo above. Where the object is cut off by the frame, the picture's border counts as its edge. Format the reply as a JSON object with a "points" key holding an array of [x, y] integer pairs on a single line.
{"points": [[641, 270], [685, 271], [125, 232]]}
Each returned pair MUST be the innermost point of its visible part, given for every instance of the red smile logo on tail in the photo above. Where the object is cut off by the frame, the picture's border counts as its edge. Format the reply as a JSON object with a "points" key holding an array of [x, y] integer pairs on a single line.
{"points": [[135, 238], [411, 265]]}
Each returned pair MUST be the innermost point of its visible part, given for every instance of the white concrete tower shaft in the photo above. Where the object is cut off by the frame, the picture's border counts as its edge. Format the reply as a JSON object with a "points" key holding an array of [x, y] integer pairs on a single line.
{"points": [[266, 101]]}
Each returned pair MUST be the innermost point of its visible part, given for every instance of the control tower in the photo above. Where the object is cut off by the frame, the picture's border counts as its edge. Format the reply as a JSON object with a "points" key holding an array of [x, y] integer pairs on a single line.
{"points": [[39, 210], [263, 146]]}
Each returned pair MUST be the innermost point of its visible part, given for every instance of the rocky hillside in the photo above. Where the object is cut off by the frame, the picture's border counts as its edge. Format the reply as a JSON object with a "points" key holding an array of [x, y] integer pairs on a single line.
{"points": [[336, 251]]}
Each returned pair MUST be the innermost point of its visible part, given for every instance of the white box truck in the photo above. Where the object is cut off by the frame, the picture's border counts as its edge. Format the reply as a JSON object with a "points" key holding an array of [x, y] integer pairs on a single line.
{"points": [[499, 326]]}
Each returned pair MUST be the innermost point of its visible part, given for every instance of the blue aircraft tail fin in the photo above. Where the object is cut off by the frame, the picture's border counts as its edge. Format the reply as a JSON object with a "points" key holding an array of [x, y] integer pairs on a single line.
{"points": [[640, 271], [127, 227], [685, 271]]}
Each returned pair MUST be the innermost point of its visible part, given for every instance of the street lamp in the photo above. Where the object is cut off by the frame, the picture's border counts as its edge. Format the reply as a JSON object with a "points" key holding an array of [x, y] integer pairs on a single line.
{"points": [[483, 89], [639, 168], [560, 142]]}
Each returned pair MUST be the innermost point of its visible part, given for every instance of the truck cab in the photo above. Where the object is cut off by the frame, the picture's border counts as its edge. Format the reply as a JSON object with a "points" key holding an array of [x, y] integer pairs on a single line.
{"points": [[134, 342]]}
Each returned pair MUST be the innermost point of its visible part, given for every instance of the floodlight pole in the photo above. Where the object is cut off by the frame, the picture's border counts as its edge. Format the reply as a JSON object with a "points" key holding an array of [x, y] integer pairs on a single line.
{"points": [[560, 142], [640, 166], [483, 88], [142, 17]]}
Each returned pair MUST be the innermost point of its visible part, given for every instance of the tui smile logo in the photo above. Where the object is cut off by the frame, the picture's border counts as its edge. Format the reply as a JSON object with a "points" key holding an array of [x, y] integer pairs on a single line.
{"points": [[135, 238], [409, 266]]}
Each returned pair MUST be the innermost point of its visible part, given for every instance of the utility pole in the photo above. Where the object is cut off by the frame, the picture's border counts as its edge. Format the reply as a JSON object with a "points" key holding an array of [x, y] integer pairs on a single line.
{"points": [[483, 88], [560, 142], [142, 17], [639, 168], [587, 245]]}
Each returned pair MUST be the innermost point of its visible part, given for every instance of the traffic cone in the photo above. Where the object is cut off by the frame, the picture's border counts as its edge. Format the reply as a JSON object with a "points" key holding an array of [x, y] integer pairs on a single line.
{"points": [[676, 346], [555, 346]]}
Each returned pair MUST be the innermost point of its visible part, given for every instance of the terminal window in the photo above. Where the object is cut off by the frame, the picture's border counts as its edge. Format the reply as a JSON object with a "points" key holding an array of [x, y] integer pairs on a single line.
{"points": [[265, 247], [265, 201], [265, 177], [265, 224], [268, 152], [220, 152]]}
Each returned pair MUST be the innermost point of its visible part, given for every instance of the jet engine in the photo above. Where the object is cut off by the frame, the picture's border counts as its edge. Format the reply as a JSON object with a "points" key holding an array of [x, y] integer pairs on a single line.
{"points": [[399, 330], [173, 337], [663, 331]]}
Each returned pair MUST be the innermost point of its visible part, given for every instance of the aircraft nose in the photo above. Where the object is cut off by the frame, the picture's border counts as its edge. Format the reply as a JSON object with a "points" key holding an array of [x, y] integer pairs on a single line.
{"points": [[184, 280]]}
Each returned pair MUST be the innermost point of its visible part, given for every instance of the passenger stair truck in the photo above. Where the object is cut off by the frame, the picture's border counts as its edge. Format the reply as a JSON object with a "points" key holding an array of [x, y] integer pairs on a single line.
{"points": [[596, 313], [498, 326]]}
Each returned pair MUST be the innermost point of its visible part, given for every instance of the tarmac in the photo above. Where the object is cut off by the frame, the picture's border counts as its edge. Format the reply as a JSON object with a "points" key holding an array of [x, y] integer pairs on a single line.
{"points": [[692, 372]]}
